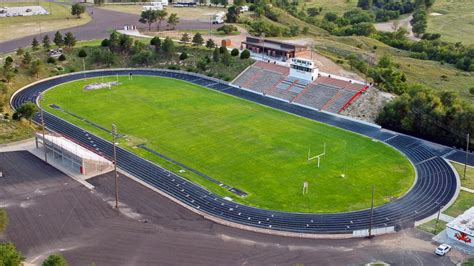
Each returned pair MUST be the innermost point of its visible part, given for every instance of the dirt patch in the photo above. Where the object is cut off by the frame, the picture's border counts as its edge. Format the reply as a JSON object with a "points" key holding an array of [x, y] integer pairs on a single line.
{"points": [[368, 105]]}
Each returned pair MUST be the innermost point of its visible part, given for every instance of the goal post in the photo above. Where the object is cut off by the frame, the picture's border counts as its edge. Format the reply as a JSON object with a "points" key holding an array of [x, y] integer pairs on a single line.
{"points": [[317, 156]]}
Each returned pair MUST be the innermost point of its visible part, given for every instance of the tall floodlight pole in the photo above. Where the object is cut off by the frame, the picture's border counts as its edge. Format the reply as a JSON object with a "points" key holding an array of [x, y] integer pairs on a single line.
{"points": [[467, 153], [84, 68], [371, 212], [43, 129], [263, 47], [114, 134], [437, 219]]}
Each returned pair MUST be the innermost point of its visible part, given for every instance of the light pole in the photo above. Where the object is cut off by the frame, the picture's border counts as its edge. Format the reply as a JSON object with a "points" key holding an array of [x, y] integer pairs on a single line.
{"points": [[84, 68], [114, 134], [42, 126], [371, 212], [263, 44], [467, 153], [437, 219]]}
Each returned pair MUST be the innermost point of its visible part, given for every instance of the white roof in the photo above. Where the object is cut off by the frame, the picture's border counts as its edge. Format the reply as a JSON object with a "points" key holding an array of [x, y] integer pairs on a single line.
{"points": [[464, 222], [74, 148]]}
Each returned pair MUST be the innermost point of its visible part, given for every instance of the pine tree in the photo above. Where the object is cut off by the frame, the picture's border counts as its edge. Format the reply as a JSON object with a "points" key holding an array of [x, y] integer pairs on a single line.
{"points": [[58, 39], [35, 44], [46, 42]]}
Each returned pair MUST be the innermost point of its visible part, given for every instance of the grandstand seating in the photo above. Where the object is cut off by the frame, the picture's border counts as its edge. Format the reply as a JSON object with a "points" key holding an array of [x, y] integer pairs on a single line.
{"points": [[326, 93]]}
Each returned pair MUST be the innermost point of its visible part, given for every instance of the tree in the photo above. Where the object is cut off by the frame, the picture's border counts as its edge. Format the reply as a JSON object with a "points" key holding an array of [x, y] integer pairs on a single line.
{"points": [[77, 9], [58, 39], [69, 40], [210, 44], [232, 14], [160, 16], [312, 11], [225, 3], [227, 29], [99, 2], [7, 69], [105, 42], [26, 111], [125, 43], [62, 57], [82, 53], [197, 39], [35, 44], [173, 20], [155, 41], [36, 67], [226, 58], [245, 54], [364, 4], [148, 17], [215, 2], [183, 56], [26, 58], [168, 47], [216, 55], [46, 42], [234, 52], [471, 91], [54, 260], [185, 38], [20, 51], [3, 220], [9, 255]]}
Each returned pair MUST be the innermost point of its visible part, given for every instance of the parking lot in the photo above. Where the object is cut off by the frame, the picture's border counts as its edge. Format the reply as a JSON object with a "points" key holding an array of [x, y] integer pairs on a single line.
{"points": [[22, 11]]}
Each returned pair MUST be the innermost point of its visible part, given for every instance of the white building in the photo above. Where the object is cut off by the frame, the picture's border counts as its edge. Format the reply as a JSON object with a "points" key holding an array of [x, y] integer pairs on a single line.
{"points": [[461, 229], [303, 69], [154, 6], [159, 3]]}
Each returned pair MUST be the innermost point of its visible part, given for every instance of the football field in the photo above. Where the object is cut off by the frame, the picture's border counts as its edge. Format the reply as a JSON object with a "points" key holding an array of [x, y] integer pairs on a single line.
{"points": [[258, 150]]}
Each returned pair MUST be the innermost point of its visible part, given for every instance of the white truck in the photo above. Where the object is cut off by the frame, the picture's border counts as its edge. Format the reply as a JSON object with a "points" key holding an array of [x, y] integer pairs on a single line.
{"points": [[218, 18]]}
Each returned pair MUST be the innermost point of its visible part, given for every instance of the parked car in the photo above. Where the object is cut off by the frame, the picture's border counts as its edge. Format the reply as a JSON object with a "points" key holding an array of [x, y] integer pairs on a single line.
{"points": [[442, 249]]}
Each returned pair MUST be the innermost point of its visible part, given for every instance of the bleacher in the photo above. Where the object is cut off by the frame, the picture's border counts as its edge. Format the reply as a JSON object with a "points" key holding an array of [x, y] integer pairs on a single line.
{"points": [[289, 88], [325, 93]]}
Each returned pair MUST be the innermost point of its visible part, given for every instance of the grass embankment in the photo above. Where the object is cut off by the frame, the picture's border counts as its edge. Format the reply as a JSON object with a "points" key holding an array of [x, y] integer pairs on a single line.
{"points": [[59, 17], [467, 182], [259, 150], [456, 22], [464, 201]]}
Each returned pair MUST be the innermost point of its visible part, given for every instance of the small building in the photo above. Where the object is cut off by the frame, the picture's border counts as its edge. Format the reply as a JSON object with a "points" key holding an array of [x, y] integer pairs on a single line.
{"points": [[72, 156], [273, 48], [303, 69], [461, 229], [226, 43]]}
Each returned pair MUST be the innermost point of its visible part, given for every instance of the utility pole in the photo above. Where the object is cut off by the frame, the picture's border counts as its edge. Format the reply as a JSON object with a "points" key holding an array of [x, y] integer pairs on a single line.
{"points": [[467, 153], [84, 68], [263, 48], [437, 219], [42, 126], [371, 212], [114, 134]]}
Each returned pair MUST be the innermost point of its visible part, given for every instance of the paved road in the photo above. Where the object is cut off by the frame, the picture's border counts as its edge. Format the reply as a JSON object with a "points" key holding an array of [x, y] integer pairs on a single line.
{"points": [[102, 23], [49, 211]]}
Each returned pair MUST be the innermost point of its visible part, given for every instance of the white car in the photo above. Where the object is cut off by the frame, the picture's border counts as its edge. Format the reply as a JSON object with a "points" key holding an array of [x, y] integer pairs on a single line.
{"points": [[442, 249]]}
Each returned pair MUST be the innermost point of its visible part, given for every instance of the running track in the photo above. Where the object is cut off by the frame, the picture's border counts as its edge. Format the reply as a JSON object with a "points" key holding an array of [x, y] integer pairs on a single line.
{"points": [[435, 186]]}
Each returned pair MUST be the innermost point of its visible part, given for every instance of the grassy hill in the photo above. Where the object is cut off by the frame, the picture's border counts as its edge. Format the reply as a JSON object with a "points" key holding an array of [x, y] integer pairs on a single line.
{"points": [[456, 22]]}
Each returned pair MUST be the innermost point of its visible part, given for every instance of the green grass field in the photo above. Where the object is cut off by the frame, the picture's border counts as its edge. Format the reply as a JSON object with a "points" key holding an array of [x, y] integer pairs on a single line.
{"points": [[257, 149], [456, 23]]}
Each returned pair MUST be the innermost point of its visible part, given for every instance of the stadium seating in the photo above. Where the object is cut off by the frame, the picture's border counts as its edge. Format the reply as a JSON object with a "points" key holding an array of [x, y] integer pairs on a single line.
{"points": [[326, 93]]}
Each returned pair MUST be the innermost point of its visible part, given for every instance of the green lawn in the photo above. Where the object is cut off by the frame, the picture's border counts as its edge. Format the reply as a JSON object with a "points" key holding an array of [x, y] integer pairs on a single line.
{"points": [[259, 150], [464, 201], [456, 24], [337, 6], [468, 182], [431, 226]]}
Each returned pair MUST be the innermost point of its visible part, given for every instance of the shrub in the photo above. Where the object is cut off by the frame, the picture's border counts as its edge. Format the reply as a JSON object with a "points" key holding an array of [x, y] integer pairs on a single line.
{"points": [[234, 52], [227, 29], [82, 53], [183, 56], [222, 49], [105, 43], [245, 54], [62, 57], [51, 60], [471, 91]]}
